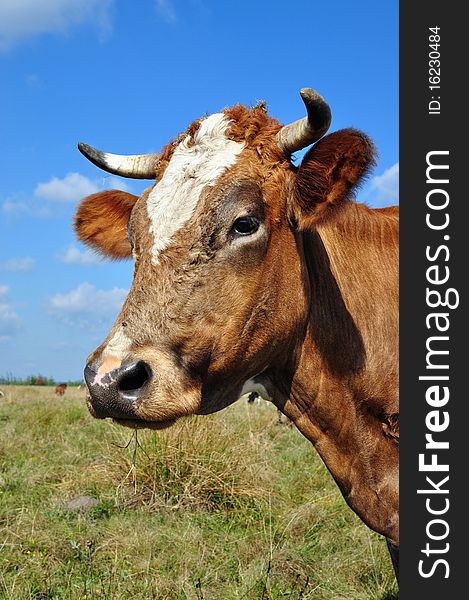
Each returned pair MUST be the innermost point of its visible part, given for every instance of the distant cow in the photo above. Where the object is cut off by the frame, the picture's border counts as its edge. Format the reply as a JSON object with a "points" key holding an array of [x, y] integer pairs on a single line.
{"points": [[253, 396], [60, 389]]}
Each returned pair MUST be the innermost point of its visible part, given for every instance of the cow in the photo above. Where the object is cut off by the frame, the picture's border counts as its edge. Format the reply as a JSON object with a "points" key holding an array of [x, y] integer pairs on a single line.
{"points": [[60, 389], [252, 274]]}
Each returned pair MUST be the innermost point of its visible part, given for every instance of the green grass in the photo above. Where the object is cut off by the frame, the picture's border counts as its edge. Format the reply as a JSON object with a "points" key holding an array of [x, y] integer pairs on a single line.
{"points": [[221, 507]]}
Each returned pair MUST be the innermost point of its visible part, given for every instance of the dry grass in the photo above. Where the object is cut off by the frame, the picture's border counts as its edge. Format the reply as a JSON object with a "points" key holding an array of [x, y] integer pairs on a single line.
{"points": [[227, 506], [195, 465]]}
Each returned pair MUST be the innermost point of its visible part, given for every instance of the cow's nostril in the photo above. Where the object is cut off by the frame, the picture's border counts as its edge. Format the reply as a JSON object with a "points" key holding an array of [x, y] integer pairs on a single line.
{"points": [[133, 377]]}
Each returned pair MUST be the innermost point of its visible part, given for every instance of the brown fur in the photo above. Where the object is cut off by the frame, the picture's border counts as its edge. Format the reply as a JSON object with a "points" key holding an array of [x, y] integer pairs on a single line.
{"points": [[328, 174], [101, 222], [60, 389], [307, 307]]}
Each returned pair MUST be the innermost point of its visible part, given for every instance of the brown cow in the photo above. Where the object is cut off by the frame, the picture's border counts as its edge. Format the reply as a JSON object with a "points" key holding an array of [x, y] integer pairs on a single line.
{"points": [[60, 389], [254, 275]]}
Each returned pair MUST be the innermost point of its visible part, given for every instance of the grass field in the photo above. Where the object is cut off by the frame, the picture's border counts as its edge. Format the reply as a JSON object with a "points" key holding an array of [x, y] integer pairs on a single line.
{"points": [[228, 506]]}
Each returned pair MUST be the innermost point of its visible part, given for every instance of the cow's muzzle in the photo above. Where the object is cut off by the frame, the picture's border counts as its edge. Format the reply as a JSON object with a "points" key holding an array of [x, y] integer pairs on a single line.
{"points": [[117, 393]]}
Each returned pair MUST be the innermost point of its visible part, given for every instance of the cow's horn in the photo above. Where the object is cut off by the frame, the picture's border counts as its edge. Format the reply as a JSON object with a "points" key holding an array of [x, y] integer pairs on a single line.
{"points": [[304, 132], [137, 166]]}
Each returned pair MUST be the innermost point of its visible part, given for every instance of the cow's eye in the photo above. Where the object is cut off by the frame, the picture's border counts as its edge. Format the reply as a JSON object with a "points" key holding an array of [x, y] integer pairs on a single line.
{"points": [[246, 225]]}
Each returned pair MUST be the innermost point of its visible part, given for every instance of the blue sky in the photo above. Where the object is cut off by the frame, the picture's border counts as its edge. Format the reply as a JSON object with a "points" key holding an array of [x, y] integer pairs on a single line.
{"points": [[126, 77]]}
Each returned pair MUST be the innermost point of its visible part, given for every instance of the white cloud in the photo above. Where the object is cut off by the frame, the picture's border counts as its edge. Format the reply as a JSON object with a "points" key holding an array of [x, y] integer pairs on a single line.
{"points": [[87, 306], [111, 182], [71, 188], [19, 206], [12, 208], [384, 189], [74, 256], [10, 322], [74, 187], [165, 10], [18, 264], [23, 19]]}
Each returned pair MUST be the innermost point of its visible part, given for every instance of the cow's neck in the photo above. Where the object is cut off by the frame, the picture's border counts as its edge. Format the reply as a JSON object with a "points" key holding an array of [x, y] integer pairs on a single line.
{"points": [[341, 390]]}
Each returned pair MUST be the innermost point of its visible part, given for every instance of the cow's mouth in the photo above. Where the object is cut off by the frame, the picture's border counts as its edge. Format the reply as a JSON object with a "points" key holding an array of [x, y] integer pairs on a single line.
{"points": [[140, 424], [128, 421]]}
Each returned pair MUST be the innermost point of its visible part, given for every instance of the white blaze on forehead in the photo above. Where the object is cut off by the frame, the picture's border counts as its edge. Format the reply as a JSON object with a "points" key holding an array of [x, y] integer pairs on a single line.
{"points": [[173, 200]]}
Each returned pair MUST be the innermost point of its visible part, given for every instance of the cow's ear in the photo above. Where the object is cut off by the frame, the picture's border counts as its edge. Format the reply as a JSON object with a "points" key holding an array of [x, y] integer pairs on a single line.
{"points": [[101, 222], [328, 175]]}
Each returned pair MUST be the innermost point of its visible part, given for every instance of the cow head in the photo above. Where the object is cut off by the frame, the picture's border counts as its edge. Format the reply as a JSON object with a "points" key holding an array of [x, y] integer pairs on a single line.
{"points": [[220, 292]]}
